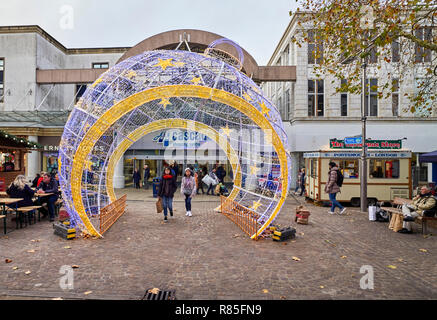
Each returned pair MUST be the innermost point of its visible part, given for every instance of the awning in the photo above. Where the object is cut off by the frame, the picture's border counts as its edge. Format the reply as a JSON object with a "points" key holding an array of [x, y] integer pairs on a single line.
{"points": [[428, 157]]}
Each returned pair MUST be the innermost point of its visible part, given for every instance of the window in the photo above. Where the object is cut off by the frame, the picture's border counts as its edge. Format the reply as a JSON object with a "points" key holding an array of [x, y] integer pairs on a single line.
{"points": [[100, 65], [343, 99], [280, 106], [2, 79], [422, 54], [371, 107], [315, 48], [395, 98], [286, 56], [314, 168], [384, 169], [372, 57], [287, 105], [423, 85], [349, 168], [80, 90], [395, 51], [315, 98]]}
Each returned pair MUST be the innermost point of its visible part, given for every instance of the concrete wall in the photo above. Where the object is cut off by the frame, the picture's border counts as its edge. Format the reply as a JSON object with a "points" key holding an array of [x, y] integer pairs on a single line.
{"points": [[19, 51]]}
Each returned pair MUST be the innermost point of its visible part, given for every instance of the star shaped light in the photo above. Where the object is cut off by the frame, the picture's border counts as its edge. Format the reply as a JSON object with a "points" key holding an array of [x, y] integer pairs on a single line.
{"points": [[131, 74], [227, 131], [265, 110], [255, 205], [165, 102], [195, 80], [88, 165], [253, 169], [164, 63]]}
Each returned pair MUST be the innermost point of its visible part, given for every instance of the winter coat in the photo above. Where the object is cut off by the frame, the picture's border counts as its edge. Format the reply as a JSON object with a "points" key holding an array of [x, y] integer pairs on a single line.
{"points": [[146, 174], [188, 186], [331, 185], [136, 177], [26, 194], [423, 202], [167, 186]]}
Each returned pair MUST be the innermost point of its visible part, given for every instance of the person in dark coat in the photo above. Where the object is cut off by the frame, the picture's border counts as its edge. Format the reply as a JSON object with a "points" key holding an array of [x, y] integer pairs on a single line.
{"points": [[48, 185], [137, 178], [167, 188], [35, 181], [302, 182], [146, 176], [221, 174], [19, 189], [332, 188]]}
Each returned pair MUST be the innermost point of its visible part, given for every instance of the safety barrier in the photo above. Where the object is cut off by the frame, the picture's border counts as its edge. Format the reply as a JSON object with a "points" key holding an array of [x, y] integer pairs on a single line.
{"points": [[243, 217], [111, 213]]}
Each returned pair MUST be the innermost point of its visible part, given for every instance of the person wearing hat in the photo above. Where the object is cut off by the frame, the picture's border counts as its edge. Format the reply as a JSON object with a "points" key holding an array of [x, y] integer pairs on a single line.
{"points": [[188, 189]]}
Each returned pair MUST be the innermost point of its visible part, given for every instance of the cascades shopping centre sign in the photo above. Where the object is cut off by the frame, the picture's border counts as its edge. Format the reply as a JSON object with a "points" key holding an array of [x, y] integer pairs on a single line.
{"points": [[180, 139], [371, 144]]}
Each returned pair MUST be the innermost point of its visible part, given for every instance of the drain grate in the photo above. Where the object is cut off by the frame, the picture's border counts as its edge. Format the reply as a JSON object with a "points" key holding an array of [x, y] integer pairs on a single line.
{"points": [[159, 295]]}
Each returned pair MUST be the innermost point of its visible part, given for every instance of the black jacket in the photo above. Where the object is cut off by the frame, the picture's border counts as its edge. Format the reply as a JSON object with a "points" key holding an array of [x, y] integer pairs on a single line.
{"points": [[146, 174], [51, 187], [137, 176], [167, 187], [26, 194]]}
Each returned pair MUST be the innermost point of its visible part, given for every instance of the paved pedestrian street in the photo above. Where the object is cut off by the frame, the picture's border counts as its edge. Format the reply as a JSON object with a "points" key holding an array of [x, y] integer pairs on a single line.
{"points": [[207, 256]]}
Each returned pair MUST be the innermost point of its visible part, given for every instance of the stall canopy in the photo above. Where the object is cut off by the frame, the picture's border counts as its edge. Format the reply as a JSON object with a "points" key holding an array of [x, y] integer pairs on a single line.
{"points": [[428, 157]]}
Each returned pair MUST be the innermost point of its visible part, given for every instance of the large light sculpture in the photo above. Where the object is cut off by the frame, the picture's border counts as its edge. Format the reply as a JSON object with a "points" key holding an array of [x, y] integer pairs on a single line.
{"points": [[162, 89]]}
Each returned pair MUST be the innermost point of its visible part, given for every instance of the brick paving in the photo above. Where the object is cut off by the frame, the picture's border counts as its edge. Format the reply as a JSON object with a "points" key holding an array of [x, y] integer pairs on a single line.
{"points": [[208, 257]]}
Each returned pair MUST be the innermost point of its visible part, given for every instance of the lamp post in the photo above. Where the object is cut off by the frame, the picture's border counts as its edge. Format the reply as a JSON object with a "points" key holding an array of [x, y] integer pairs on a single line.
{"points": [[363, 167]]}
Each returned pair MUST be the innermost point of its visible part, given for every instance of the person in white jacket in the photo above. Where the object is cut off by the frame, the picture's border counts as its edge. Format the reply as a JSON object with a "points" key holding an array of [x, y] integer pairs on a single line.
{"points": [[188, 189]]}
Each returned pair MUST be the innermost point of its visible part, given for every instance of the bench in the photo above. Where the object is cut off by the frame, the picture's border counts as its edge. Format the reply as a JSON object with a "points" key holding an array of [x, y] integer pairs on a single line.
{"points": [[399, 202], [28, 212]]}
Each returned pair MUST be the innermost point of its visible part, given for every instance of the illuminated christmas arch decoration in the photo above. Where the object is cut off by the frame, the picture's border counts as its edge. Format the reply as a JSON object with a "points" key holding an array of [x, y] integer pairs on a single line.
{"points": [[163, 89]]}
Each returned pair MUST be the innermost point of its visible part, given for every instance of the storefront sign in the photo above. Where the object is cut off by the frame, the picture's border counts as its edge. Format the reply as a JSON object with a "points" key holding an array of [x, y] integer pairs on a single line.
{"points": [[354, 155], [371, 144], [180, 139]]}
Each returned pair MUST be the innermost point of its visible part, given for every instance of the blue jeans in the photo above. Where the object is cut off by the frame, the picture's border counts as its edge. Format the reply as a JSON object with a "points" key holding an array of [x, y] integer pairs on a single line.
{"points": [[334, 202], [167, 203], [211, 187], [188, 202], [50, 200]]}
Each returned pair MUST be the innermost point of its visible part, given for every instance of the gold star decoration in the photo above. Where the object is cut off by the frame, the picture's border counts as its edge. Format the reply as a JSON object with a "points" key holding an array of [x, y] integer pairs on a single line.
{"points": [[195, 80], [247, 97], [88, 165], [165, 102], [255, 205], [164, 63], [253, 169], [131, 74], [227, 131], [265, 110]]}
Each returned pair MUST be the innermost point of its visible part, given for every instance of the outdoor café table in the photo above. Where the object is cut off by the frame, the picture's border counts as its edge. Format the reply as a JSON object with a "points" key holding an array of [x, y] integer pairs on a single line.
{"points": [[4, 202]]}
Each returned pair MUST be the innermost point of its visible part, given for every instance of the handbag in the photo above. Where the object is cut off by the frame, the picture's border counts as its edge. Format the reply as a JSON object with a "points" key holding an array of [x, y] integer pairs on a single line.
{"points": [[207, 180], [372, 213], [159, 207]]}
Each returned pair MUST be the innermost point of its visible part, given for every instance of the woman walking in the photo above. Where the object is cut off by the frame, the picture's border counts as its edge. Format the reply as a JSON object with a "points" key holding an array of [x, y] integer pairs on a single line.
{"points": [[188, 189], [332, 188], [199, 183], [214, 178], [166, 190]]}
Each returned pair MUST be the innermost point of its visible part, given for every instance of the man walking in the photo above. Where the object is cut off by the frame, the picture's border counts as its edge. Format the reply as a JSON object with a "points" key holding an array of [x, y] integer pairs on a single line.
{"points": [[332, 187], [146, 176]]}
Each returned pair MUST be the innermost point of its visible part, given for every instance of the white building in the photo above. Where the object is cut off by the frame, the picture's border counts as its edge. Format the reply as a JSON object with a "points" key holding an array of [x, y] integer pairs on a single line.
{"points": [[313, 113]]}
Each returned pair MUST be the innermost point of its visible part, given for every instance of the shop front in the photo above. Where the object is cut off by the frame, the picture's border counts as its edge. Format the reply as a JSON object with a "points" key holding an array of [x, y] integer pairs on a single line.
{"points": [[389, 171]]}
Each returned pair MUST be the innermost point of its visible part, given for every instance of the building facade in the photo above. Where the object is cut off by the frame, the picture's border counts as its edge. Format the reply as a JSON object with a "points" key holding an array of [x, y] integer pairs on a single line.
{"points": [[41, 80], [314, 113]]}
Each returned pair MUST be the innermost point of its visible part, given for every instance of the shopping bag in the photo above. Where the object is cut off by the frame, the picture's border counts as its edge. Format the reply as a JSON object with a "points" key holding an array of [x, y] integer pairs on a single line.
{"points": [[217, 189], [207, 180], [159, 207], [372, 213], [398, 224]]}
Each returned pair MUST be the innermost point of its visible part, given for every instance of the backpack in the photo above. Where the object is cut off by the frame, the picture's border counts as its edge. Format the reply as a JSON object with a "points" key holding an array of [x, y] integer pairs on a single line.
{"points": [[340, 178]]}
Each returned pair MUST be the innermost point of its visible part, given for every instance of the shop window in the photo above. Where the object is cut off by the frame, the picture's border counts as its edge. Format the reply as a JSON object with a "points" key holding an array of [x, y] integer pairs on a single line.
{"points": [[384, 169], [314, 168], [349, 168]]}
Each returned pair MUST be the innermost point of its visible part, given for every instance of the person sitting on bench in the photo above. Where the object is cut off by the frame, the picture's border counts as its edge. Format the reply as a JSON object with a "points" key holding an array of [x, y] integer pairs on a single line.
{"points": [[422, 202], [48, 185]]}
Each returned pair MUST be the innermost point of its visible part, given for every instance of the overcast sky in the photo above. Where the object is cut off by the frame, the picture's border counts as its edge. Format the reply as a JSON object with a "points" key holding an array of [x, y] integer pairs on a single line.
{"points": [[255, 25]]}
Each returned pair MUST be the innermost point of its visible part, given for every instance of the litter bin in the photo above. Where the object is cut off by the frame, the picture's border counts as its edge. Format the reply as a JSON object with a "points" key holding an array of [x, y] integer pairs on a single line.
{"points": [[156, 182]]}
